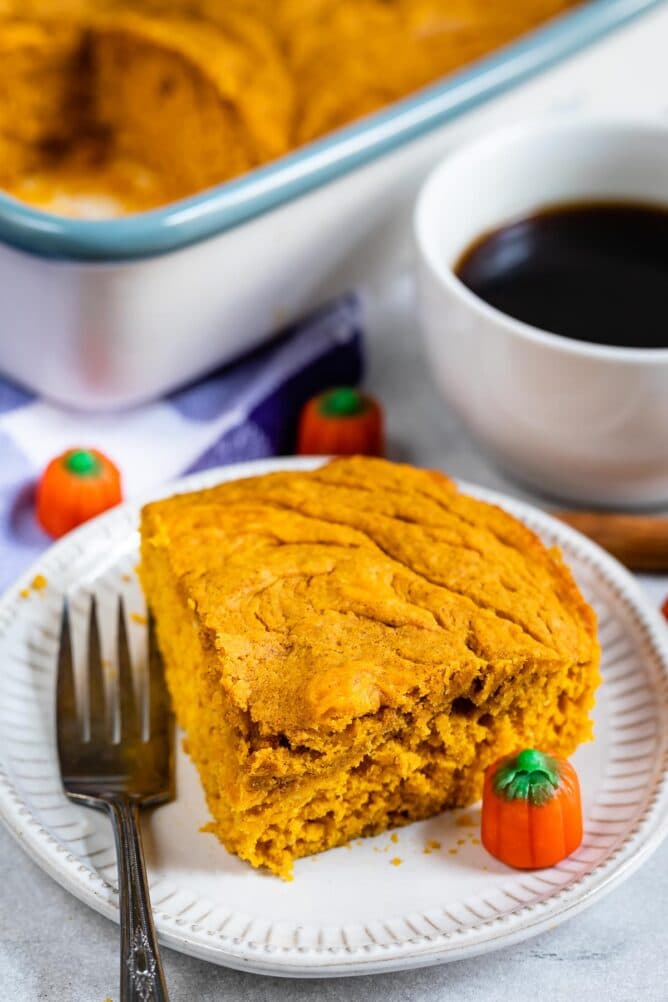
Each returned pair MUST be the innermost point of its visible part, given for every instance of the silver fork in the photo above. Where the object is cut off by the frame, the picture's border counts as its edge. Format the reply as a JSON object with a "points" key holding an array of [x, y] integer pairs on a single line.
{"points": [[120, 776]]}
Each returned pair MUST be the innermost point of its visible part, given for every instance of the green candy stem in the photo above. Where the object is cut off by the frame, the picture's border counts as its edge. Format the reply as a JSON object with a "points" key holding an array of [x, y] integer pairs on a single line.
{"points": [[531, 760], [343, 402], [530, 775], [82, 463]]}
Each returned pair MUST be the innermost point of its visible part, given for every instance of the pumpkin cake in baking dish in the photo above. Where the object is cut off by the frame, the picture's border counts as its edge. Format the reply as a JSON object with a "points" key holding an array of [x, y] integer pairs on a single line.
{"points": [[117, 106], [110, 107], [348, 648]]}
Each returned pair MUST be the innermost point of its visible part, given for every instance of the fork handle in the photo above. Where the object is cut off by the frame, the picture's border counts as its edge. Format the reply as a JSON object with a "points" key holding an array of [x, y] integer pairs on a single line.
{"points": [[142, 977]]}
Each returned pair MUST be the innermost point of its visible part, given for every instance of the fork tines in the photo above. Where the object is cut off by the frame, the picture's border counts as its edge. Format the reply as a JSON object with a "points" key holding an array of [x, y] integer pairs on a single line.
{"points": [[105, 712]]}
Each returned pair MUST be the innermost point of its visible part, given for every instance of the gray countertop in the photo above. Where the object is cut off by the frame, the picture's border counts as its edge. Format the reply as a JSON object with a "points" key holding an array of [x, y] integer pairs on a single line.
{"points": [[54, 948]]}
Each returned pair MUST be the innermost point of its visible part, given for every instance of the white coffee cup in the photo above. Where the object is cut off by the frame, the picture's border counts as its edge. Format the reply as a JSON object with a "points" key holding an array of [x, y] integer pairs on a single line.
{"points": [[574, 419]]}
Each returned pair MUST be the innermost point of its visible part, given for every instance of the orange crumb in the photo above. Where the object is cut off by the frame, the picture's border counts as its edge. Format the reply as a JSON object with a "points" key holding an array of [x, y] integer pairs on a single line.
{"points": [[394, 837], [137, 617], [486, 868], [127, 577], [426, 850], [453, 852], [39, 582], [466, 821], [475, 841], [25, 593], [461, 841], [433, 844], [395, 861]]}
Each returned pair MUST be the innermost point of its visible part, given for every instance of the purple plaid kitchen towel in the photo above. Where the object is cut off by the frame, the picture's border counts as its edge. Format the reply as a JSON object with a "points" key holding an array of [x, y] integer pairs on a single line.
{"points": [[245, 411]]}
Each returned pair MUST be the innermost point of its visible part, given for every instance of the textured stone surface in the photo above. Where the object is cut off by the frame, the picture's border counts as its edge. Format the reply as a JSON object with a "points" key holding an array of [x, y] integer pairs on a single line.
{"points": [[53, 949]]}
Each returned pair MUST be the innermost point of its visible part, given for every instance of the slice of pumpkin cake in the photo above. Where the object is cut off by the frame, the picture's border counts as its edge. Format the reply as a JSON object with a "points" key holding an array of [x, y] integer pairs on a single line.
{"points": [[348, 648]]}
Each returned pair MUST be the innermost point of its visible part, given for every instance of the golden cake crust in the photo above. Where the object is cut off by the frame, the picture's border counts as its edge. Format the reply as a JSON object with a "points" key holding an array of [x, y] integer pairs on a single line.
{"points": [[327, 595]]}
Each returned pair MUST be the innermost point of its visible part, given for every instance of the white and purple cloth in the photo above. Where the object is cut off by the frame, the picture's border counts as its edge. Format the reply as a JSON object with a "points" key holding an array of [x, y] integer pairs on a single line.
{"points": [[248, 410]]}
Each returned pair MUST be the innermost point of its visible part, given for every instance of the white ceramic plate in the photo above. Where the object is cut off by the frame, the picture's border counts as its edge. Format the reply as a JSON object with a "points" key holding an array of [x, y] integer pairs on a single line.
{"points": [[351, 910]]}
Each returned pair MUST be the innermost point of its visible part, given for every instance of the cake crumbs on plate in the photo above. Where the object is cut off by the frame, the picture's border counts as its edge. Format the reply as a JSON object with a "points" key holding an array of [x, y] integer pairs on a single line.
{"points": [[466, 821], [138, 617], [396, 861], [453, 852], [39, 582], [394, 838], [475, 841], [25, 593], [461, 841]]}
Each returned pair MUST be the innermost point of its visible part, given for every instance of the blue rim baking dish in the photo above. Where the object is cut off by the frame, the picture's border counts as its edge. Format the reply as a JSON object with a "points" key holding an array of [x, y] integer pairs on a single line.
{"points": [[226, 205]]}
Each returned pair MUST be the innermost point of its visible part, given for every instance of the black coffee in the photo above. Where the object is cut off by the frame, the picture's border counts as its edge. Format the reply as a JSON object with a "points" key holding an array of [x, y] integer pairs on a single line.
{"points": [[593, 272]]}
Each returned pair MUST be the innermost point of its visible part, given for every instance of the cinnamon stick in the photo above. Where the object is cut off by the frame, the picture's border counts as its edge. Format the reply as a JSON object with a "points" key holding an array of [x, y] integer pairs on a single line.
{"points": [[640, 542]]}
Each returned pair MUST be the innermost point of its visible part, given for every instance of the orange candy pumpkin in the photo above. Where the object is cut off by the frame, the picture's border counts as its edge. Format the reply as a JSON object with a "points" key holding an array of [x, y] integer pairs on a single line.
{"points": [[74, 487], [341, 422], [531, 810]]}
